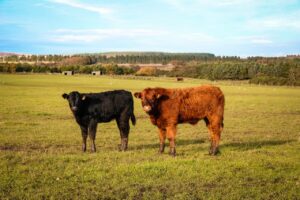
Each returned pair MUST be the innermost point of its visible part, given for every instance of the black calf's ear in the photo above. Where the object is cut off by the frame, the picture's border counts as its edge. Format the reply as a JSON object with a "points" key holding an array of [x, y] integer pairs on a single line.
{"points": [[65, 96], [137, 95]]}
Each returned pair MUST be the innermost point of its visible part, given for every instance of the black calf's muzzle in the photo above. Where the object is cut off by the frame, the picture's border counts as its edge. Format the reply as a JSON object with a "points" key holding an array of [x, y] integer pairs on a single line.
{"points": [[74, 108]]}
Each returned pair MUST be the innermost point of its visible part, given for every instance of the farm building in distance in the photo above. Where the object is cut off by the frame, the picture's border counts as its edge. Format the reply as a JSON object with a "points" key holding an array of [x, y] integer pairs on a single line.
{"points": [[96, 73], [68, 73]]}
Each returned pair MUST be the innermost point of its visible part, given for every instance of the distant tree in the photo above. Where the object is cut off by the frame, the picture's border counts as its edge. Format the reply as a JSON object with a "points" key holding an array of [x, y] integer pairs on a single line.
{"points": [[147, 71]]}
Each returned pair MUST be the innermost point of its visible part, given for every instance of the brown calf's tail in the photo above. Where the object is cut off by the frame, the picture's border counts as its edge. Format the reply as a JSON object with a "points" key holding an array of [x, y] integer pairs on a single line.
{"points": [[221, 107]]}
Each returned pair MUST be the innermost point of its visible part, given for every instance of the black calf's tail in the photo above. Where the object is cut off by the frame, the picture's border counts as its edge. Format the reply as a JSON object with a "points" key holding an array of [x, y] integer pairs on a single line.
{"points": [[133, 120]]}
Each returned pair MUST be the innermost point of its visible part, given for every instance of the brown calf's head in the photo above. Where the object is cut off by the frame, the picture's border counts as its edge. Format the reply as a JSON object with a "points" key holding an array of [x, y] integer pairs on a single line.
{"points": [[150, 98]]}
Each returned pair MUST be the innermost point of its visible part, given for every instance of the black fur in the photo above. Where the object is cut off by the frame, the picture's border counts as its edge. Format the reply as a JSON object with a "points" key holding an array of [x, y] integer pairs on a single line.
{"points": [[92, 108]]}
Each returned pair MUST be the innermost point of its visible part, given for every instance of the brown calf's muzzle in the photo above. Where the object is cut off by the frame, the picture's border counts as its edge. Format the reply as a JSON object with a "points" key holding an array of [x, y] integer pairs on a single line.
{"points": [[147, 108], [148, 105]]}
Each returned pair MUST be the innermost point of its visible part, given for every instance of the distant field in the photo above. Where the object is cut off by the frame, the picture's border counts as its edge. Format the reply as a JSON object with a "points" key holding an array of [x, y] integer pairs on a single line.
{"points": [[41, 158]]}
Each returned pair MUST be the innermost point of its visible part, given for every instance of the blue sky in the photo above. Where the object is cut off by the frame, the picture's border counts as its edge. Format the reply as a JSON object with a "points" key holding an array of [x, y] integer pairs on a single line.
{"points": [[223, 27]]}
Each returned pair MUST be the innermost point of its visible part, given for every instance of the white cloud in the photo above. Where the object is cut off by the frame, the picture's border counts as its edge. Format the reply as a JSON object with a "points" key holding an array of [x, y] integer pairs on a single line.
{"points": [[261, 40], [197, 37], [193, 4], [276, 23], [92, 8], [251, 2], [232, 2], [174, 3], [77, 38], [93, 35], [145, 36], [287, 21]]}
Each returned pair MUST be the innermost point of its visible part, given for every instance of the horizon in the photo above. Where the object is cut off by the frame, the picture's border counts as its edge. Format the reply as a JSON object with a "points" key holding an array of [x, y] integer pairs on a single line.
{"points": [[143, 52], [244, 28]]}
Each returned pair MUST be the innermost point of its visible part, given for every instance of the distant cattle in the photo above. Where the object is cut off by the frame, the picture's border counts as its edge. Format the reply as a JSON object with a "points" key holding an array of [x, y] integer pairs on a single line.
{"points": [[92, 108], [169, 107], [179, 79]]}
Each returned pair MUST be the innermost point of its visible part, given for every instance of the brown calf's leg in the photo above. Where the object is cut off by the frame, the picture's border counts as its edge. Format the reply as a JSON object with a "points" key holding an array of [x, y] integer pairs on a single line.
{"points": [[171, 134], [162, 138], [215, 134]]}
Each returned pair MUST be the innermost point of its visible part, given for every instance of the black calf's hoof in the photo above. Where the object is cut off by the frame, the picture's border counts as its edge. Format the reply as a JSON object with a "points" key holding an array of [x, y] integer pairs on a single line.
{"points": [[93, 150], [83, 148], [121, 148]]}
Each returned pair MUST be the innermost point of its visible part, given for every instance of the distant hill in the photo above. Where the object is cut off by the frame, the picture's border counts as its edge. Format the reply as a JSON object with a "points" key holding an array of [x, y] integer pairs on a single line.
{"points": [[122, 53], [8, 54], [148, 53]]}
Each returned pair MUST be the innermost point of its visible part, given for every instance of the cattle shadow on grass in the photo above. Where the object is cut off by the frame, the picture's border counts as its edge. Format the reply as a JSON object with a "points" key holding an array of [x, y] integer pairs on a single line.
{"points": [[178, 143], [244, 146], [241, 146]]}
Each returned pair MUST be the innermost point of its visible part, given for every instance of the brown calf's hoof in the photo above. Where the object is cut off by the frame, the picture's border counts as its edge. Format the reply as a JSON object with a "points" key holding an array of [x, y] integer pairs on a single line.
{"points": [[214, 152], [172, 152], [161, 148]]}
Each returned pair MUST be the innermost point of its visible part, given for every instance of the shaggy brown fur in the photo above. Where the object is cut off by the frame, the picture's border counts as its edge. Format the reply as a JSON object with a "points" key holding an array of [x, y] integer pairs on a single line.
{"points": [[169, 107]]}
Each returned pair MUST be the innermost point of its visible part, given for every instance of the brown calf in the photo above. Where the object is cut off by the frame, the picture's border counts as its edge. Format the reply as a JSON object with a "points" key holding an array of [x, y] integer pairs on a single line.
{"points": [[169, 107]]}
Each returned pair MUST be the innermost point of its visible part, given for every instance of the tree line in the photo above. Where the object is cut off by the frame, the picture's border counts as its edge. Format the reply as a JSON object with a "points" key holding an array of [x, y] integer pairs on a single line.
{"points": [[131, 58], [258, 70], [268, 71]]}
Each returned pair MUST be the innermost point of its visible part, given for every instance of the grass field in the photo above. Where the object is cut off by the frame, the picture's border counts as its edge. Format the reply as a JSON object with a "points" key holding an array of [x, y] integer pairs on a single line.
{"points": [[41, 158]]}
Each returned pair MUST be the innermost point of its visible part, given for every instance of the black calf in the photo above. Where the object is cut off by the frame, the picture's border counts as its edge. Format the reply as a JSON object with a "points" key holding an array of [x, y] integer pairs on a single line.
{"points": [[92, 108]]}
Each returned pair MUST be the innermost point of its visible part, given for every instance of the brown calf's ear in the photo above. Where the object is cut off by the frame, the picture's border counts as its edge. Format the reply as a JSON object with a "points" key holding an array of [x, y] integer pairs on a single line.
{"points": [[137, 95], [65, 96], [161, 94]]}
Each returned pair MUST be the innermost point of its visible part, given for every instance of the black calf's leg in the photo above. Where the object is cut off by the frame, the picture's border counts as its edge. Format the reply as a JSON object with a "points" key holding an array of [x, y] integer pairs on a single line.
{"points": [[84, 134], [124, 128], [124, 144], [92, 134]]}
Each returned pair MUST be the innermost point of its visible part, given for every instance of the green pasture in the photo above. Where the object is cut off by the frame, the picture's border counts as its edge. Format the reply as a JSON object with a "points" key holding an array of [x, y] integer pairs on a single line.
{"points": [[41, 158]]}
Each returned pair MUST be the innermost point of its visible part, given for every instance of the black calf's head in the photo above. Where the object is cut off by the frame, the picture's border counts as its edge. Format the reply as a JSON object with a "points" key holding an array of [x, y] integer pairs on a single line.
{"points": [[75, 100]]}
